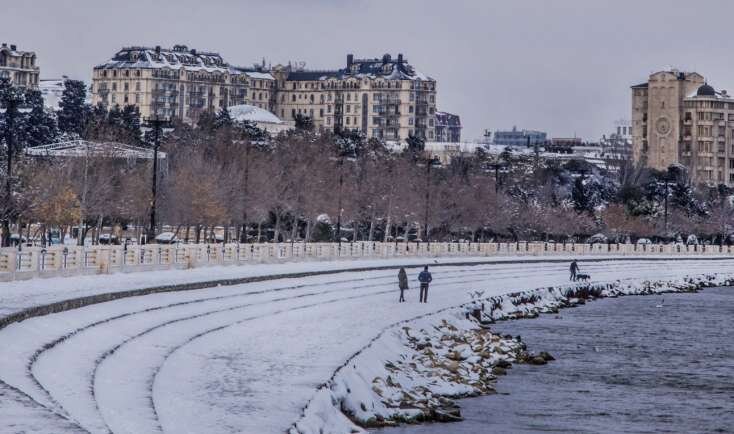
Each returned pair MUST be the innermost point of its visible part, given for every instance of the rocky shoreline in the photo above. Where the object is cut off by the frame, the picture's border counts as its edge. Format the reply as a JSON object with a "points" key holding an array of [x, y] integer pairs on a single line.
{"points": [[413, 373]]}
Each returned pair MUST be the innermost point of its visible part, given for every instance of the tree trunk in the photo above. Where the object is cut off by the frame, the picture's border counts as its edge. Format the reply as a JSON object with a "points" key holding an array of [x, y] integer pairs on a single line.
{"points": [[308, 230], [197, 235], [276, 235], [294, 229], [259, 231], [387, 229]]}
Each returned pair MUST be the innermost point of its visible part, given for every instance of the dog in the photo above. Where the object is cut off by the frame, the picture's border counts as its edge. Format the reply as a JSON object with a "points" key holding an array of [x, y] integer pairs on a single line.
{"points": [[583, 277]]}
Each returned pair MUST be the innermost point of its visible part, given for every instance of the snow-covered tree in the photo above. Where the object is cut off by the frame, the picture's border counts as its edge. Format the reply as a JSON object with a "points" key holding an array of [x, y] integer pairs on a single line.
{"points": [[74, 111]]}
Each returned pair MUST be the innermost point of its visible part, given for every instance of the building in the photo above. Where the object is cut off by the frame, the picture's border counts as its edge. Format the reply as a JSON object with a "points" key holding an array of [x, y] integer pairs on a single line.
{"points": [[657, 116], [516, 138], [566, 142], [177, 83], [678, 118], [385, 98], [18, 66], [448, 127]]}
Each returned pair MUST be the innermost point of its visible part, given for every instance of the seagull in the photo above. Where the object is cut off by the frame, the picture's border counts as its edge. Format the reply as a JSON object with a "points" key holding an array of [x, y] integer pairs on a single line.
{"points": [[661, 305]]}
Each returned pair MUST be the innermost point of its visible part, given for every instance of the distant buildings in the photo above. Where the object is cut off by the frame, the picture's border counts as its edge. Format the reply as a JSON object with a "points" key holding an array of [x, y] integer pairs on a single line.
{"points": [[386, 98], [448, 127], [678, 118], [517, 138], [566, 142], [18, 66]]}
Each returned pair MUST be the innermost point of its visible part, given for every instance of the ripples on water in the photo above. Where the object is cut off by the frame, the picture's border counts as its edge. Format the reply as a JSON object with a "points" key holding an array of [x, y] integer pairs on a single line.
{"points": [[623, 365]]}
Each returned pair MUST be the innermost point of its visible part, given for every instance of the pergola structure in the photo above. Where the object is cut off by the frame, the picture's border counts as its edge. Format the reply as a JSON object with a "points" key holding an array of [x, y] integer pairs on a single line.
{"points": [[87, 149]]}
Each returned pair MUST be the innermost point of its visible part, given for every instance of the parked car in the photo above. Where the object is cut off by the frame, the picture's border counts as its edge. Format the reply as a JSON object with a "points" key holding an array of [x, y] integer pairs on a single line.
{"points": [[166, 238]]}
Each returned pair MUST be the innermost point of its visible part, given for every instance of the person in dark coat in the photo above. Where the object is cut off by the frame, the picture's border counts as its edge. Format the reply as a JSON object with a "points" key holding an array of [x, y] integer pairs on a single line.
{"points": [[574, 270], [402, 283], [424, 278]]}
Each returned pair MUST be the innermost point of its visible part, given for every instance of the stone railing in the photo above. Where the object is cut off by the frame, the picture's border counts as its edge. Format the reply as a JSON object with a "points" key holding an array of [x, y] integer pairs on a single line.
{"points": [[75, 260]]}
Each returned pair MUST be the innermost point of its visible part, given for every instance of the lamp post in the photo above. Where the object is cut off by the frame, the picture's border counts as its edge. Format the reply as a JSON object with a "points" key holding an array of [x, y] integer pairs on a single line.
{"points": [[157, 125], [430, 160]]}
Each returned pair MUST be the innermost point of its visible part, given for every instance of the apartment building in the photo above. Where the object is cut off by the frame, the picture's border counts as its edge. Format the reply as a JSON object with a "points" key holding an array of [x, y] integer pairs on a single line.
{"points": [[385, 98], [679, 118], [18, 66], [178, 83]]}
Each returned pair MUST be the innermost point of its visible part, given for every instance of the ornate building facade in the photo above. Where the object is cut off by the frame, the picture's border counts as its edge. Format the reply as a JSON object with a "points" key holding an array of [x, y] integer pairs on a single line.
{"points": [[385, 98], [177, 83], [18, 66], [678, 118]]}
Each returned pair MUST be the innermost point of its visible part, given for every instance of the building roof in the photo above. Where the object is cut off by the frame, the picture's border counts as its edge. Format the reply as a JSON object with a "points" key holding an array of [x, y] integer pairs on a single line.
{"points": [[246, 112], [386, 67], [82, 148], [706, 90], [640, 86], [179, 57]]}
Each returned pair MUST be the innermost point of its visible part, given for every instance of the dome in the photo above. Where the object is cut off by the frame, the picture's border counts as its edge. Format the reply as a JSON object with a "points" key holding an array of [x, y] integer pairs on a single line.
{"points": [[706, 90], [252, 113]]}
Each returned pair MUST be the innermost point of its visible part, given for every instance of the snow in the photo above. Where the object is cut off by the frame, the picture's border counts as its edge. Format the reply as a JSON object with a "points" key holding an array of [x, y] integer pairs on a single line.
{"points": [[241, 358], [246, 112]]}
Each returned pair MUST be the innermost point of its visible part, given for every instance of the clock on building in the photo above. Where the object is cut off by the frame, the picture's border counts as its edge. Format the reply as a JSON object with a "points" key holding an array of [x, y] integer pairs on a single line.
{"points": [[662, 126]]}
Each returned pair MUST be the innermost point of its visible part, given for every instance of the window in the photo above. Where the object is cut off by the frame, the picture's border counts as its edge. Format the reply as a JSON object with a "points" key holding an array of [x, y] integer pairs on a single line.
{"points": [[293, 98], [321, 113], [348, 119]]}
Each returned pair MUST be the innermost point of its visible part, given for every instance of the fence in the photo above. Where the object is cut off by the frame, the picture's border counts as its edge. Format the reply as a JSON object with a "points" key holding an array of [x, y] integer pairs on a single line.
{"points": [[75, 260]]}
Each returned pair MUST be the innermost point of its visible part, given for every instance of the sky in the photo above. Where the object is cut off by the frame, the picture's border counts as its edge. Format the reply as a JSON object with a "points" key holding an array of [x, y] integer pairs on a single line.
{"points": [[561, 66]]}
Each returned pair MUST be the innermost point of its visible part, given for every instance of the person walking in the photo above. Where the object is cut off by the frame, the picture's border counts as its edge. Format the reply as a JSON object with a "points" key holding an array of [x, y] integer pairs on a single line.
{"points": [[424, 278], [402, 283], [574, 270]]}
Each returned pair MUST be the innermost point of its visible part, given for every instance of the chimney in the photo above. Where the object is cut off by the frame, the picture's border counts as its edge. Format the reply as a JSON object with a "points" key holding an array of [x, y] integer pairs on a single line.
{"points": [[400, 58], [350, 60], [193, 51], [157, 49], [13, 47], [4, 44]]}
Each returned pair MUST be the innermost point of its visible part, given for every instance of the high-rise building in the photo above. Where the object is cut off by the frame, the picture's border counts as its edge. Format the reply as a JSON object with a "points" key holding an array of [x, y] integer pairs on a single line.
{"points": [[657, 116], [679, 118], [448, 127], [18, 66]]}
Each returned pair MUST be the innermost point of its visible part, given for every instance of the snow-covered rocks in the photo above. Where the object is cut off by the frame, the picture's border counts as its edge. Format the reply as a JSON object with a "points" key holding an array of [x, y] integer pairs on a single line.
{"points": [[411, 372]]}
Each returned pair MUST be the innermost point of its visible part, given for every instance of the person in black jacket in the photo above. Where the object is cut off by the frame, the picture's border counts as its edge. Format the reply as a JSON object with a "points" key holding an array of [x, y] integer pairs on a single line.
{"points": [[402, 283], [424, 278], [574, 270]]}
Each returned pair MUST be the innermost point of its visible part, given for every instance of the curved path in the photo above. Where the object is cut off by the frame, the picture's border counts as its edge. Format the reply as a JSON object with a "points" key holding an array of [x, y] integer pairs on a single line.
{"points": [[243, 358]]}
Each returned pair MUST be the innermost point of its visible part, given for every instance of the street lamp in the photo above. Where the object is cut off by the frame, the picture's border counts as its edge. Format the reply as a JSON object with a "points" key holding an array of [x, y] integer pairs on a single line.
{"points": [[156, 124], [430, 161]]}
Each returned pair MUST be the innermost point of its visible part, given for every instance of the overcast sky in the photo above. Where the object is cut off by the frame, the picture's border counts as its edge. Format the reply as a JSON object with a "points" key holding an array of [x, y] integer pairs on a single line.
{"points": [[563, 66]]}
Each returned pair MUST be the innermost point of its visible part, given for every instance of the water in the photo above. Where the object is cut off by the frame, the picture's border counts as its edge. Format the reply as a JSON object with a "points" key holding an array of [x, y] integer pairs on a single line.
{"points": [[623, 366]]}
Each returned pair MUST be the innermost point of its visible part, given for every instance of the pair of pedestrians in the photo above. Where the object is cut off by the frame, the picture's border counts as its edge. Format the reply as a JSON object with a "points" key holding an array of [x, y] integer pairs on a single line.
{"points": [[424, 278]]}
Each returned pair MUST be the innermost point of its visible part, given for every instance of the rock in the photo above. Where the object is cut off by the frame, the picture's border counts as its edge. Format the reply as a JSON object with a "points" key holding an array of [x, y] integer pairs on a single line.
{"points": [[452, 366], [503, 364], [423, 345], [536, 360], [499, 371], [546, 356]]}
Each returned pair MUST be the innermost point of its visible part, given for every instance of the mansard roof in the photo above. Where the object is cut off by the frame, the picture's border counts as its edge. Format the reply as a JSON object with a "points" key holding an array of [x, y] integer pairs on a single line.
{"points": [[386, 68], [179, 57]]}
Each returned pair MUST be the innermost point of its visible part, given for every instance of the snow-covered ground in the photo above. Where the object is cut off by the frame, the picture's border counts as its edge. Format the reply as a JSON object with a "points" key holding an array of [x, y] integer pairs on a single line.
{"points": [[242, 358]]}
